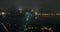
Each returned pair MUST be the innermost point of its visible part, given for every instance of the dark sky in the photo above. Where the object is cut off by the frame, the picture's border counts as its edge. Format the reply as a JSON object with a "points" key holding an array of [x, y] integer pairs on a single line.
{"points": [[30, 3]]}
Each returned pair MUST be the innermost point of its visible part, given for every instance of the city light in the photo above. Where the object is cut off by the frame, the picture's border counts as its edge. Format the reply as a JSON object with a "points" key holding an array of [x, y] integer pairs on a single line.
{"points": [[58, 14], [36, 13], [47, 14], [32, 10], [2, 13], [44, 14], [48, 29], [20, 10], [29, 18]]}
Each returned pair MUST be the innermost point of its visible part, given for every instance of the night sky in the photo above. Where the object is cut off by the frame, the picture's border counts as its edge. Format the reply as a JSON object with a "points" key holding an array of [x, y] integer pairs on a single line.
{"points": [[30, 3]]}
